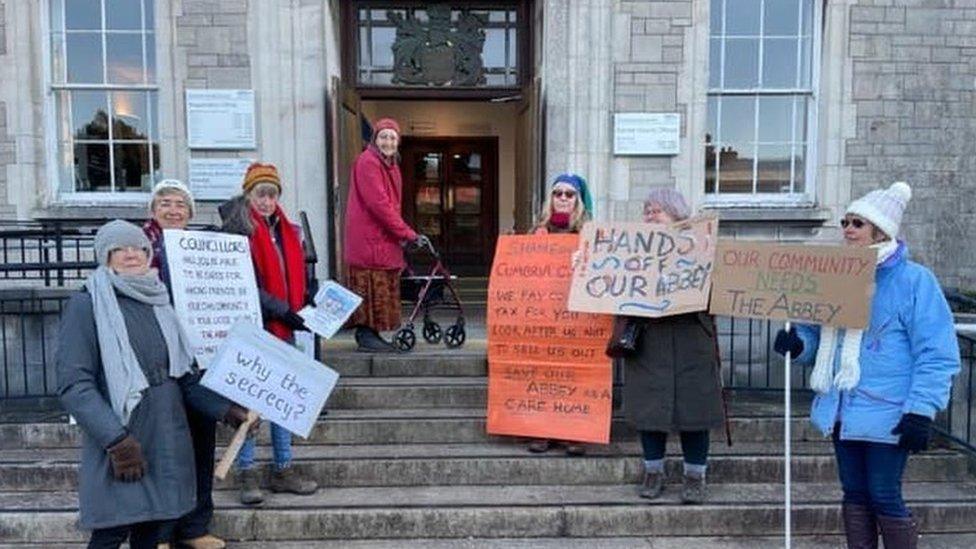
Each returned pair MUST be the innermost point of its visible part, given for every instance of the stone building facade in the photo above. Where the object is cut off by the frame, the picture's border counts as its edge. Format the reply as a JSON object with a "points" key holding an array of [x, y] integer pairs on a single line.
{"points": [[888, 88]]}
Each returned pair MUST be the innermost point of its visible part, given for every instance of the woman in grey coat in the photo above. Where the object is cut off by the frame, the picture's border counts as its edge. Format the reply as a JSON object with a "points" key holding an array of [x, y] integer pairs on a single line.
{"points": [[672, 382], [124, 368]]}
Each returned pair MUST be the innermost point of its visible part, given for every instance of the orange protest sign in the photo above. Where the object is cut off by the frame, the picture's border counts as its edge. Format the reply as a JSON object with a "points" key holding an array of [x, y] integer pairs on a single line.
{"points": [[547, 374]]}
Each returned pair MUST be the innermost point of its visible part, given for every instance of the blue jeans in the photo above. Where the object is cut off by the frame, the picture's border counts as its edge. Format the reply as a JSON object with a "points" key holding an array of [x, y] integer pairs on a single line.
{"points": [[280, 442], [870, 474]]}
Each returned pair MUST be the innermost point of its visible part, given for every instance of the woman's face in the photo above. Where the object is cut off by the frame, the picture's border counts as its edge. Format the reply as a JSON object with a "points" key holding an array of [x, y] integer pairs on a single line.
{"points": [[129, 260], [653, 213], [171, 211], [858, 231], [564, 198], [387, 142], [264, 198]]}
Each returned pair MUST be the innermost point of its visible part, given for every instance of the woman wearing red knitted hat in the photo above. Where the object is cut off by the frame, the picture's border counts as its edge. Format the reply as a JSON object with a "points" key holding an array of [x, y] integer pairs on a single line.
{"points": [[374, 236]]}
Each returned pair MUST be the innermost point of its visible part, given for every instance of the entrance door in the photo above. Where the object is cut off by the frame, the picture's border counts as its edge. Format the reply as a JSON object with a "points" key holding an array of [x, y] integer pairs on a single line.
{"points": [[449, 194]]}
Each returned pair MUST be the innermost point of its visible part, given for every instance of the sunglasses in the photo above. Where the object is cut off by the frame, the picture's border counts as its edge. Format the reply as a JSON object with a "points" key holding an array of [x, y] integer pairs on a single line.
{"points": [[564, 194], [856, 223]]}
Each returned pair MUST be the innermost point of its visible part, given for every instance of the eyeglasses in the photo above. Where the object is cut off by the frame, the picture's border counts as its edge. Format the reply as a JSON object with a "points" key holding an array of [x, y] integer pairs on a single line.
{"points": [[855, 222], [559, 193]]}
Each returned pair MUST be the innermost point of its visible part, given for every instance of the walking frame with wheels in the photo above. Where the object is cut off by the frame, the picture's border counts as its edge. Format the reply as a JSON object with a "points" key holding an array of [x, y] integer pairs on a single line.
{"points": [[430, 293]]}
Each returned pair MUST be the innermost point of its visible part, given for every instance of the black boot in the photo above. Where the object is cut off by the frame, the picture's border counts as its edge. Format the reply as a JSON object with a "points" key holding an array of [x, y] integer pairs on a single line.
{"points": [[899, 532], [370, 342], [860, 527]]}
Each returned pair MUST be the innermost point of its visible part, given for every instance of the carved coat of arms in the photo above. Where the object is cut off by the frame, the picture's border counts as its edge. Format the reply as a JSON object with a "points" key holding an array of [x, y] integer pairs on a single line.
{"points": [[438, 52]]}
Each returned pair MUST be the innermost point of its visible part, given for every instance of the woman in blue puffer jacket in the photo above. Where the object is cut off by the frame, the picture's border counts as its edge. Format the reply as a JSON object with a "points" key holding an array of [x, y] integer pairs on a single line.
{"points": [[877, 390]]}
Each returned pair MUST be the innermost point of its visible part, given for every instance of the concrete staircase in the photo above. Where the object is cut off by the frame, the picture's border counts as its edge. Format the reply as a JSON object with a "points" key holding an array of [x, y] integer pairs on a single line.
{"points": [[404, 461]]}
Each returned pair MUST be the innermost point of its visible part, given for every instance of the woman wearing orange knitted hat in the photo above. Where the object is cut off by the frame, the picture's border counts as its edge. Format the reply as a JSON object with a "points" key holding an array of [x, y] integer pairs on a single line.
{"points": [[374, 235]]}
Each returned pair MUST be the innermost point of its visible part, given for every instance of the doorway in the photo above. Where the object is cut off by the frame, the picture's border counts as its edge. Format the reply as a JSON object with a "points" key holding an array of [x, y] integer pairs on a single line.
{"points": [[450, 194]]}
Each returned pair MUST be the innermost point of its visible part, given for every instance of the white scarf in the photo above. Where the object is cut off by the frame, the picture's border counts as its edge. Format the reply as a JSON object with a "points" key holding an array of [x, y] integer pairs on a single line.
{"points": [[123, 374], [850, 356]]}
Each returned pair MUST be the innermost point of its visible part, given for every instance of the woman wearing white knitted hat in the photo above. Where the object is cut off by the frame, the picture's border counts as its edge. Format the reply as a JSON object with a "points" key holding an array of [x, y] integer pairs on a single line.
{"points": [[877, 390]]}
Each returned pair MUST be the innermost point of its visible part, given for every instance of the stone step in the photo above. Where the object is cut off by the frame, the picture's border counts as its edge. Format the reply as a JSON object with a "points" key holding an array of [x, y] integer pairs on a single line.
{"points": [[928, 541], [415, 426], [507, 463], [456, 362], [510, 512]]}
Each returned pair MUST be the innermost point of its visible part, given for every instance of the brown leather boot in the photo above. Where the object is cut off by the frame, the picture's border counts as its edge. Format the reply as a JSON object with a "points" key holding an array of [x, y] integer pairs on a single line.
{"points": [[859, 526], [899, 532]]}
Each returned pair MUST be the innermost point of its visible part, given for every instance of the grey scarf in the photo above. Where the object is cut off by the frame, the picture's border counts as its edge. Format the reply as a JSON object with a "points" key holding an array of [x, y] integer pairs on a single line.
{"points": [[123, 374]]}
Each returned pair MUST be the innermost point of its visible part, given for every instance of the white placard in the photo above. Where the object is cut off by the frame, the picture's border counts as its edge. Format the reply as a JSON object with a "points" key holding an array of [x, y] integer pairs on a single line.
{"points": [[217, 178], [334, 305], [262, 373], [639, 133], [220, 119], [214, 286]]}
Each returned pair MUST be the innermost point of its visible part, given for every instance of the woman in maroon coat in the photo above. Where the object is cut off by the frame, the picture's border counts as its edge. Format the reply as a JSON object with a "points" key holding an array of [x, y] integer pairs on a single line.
{"points": [[374, 237]]}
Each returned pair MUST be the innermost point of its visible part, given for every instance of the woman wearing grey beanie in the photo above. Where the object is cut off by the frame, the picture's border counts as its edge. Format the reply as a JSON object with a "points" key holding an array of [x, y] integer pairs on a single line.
{"points": [[124, 368]]}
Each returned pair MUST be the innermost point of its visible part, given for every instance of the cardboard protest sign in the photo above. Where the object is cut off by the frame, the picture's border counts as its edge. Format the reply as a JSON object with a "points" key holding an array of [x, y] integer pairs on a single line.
{"points": [[334, 304], [548, 376], [829, 285], [642, 269], [213, 284], [259, 371]]}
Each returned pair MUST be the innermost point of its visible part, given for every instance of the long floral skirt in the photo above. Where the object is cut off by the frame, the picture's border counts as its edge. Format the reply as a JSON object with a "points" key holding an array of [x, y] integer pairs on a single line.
{"points": [[380, 290]]}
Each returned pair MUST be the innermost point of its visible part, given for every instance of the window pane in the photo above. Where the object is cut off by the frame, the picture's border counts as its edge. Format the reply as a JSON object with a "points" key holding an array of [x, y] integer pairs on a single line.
{"points": [[799, 169], [496, 16], [132, 167], [150, 58], [84, 52], [150, 13], [742, 17], [805, 61], [383, 38], [775, 119], [129, 115], [154, 116], [123, 15], [715, 63], [735, 168], [83, 14], [773, 169], [741, 63], [779, 63], [467, 200], [780, 17], [89, 114], [124, 58], [92, 167], [467, 166], [801, 119], [512, 48], [57, 16], [711, 134], [738, 119], [715, 21], [493, 53]]}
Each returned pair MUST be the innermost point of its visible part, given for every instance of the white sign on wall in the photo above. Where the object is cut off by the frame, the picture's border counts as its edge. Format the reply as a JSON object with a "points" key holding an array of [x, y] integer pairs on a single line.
{"points": [[640, 133], [217, 178], [213, 284], [220, 119], [260, 372]]}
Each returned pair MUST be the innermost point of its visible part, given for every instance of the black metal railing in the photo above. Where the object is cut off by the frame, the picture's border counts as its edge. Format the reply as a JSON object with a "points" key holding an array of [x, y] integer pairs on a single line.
{"points": [[29, 321], [956, 424], [52, 253]]}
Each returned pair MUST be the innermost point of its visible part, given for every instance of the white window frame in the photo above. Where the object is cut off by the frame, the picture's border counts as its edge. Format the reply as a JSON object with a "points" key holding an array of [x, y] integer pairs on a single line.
{"points": [[807, 198], [53, 123]]}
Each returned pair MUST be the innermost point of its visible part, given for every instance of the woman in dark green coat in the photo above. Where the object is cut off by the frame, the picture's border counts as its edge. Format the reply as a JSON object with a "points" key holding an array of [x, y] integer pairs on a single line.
{"points": [[672, 382]]}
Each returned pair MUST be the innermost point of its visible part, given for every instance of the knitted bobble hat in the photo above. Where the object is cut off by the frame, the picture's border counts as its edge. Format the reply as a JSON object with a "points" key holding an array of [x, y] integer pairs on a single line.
{"points": [[884, 207], [168, 186], [119, 234], [260, 173]]}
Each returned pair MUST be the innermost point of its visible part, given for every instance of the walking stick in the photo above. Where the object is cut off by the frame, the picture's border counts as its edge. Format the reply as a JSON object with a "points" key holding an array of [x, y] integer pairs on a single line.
{"points": [[234, 448]]}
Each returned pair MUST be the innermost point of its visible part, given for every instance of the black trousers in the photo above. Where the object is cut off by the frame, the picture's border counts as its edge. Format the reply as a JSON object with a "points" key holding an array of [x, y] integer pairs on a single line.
{"points": [[196, 523], [142, 535]]}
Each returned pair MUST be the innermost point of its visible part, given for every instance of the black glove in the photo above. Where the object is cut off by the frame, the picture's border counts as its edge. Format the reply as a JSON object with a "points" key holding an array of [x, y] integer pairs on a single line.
{"points": [[294, 321], [788, 342], [237, 415], [128, 465], [915, 431]]}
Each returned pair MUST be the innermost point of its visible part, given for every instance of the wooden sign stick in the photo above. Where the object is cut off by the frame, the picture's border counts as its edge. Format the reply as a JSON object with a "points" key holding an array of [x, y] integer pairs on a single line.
{"points": [[234, 448]]}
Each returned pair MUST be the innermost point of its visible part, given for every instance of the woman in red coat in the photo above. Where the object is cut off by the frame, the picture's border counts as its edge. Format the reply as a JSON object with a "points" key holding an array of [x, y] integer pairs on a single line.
{"points": [[374, 237]]}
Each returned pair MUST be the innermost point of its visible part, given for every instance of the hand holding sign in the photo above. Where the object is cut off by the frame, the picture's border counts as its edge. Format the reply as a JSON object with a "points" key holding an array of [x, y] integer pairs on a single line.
{"points": [[260, 372]]}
